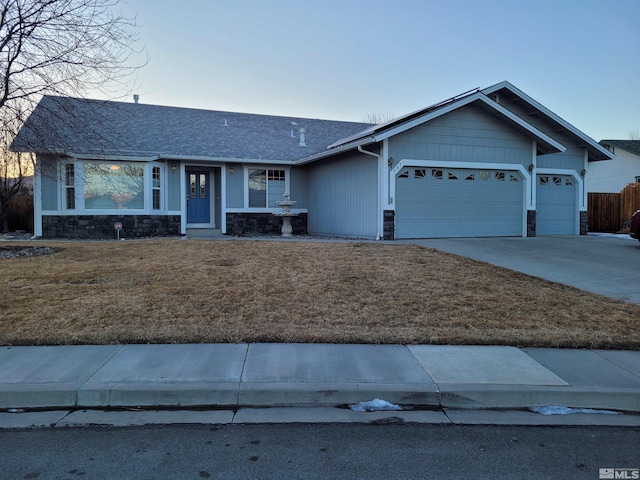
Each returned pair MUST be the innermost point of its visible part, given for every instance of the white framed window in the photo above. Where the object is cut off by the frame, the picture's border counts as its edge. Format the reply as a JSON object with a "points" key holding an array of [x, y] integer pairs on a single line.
{"points": [[113, 186], [266, 187], [70, 186], [156, 188]]}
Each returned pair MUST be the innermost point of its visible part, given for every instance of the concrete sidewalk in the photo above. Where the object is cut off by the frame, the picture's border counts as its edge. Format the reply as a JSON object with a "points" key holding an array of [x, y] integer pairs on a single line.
{"points": [[234, 376]]}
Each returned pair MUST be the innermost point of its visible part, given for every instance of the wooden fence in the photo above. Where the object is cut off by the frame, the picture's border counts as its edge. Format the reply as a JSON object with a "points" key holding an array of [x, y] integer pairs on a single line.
{"points": [[610, 212]]}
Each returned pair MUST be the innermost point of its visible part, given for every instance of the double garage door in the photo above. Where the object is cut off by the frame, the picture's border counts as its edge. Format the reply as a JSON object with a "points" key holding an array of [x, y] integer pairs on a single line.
{"points": [[436, 202]]}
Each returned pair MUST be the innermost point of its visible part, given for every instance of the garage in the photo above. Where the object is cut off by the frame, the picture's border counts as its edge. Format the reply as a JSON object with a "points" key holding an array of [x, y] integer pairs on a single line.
{"points": [[557, 211], [433, 202]]}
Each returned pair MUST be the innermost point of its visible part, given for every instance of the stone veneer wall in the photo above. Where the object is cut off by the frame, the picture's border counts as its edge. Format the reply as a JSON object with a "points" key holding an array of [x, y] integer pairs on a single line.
{"points": [[584, 223], [531, 223], [389, 225], [262, 223], [101, 226]]}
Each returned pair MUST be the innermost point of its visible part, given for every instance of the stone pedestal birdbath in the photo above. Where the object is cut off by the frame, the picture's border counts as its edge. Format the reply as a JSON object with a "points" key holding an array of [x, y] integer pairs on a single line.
{"points": [[286, 214]]}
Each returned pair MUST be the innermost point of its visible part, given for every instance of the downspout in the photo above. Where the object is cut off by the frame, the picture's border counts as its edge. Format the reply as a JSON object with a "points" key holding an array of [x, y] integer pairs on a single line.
{"points": [[377, 156]]}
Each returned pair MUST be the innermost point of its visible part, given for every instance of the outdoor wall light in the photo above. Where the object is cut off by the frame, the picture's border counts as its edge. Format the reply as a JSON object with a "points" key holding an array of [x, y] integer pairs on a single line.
{"points": [[583, 173], [231, 168], [173, 167], [390, 161], [531, 167]]}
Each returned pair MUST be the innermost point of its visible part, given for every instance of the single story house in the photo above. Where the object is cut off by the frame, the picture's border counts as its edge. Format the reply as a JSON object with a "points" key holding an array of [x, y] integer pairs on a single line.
{"points": [[613, 176], [488, 162]]}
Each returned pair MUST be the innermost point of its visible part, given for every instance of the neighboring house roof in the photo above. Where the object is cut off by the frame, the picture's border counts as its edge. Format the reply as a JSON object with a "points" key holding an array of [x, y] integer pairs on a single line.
{"points": [[631, 146], [95, 128], [512, 94]]}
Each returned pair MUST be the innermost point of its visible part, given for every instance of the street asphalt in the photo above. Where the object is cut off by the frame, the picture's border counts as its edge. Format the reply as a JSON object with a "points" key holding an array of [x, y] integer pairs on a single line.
{"points": [[275, 383]]}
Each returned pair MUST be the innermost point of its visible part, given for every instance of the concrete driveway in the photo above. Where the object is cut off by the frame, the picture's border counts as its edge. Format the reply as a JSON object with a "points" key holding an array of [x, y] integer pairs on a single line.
{"points": [[604, 264]]}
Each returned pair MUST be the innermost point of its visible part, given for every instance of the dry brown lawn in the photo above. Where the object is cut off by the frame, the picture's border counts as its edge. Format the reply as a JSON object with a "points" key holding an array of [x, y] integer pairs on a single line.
{"points": [[176, 291]]}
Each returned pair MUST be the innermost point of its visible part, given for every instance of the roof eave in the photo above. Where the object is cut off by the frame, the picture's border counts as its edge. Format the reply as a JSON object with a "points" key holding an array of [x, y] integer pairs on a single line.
{"points": [[336, 150], [596, 151]]}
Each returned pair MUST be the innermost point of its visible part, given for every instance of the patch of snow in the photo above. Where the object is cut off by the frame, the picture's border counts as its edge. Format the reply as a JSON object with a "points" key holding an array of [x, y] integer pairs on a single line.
{"points": [[556, 410], [374, 405]]}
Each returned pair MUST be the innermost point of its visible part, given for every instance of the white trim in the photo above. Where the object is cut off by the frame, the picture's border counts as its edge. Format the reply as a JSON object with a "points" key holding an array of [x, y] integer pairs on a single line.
{"points": [[585, 193], [580, 200], [516, 91], [580, 187], [245, 173], [224, 171], [209, 169], [540, 136], [383, 186], [37, 200], [534, 161], [470, 166]]}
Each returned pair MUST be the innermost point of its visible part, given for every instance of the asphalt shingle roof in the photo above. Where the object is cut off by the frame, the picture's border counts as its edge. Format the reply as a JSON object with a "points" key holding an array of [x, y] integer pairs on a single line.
{"points": [[632, 146], [93, 127]]}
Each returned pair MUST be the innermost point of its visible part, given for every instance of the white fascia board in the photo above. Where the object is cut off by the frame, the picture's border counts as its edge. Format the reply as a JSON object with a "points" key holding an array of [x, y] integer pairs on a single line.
{"points": [[335, 151], [195, 158], [187, 158], [537, 134], [112, 158], [538, 106]]}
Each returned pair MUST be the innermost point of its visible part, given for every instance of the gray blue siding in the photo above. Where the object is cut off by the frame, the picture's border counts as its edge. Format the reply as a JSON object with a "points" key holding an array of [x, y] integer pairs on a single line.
{"points": [[235, 187], [49, 173], [299, 187], [173, 189], [468, 134], [343, 196]]}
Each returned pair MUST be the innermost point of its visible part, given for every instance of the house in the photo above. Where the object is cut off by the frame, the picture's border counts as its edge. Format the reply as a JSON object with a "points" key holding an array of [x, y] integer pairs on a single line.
{"points": [[490, 162], [614, 175]]}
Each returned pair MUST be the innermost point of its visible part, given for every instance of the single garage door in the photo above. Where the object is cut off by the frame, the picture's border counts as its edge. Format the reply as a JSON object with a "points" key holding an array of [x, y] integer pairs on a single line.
{"points": [[557, 212], [442, 202]]}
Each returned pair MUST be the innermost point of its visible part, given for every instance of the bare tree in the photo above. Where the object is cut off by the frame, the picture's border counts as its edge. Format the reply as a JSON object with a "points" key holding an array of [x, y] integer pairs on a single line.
{"points": [[58, 47], [377, 118], [634, 135]]}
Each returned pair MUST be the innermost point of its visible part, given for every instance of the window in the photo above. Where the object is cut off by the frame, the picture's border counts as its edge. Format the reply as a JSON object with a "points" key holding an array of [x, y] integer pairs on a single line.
{"points": [[113, 186], [156, 187], [70, 186], [436, 173], [419, 173], [404, 174], [484, 175], [543, 180], [557, 180], [452, 176], [499, 176], [266, 187]]}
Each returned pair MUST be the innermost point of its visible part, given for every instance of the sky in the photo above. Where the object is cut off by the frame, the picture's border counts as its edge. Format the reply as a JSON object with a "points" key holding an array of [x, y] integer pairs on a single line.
{"points": [[348, 59]]}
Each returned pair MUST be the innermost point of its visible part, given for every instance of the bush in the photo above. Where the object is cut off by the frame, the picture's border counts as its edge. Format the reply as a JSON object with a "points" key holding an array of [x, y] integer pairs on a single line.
{"points": [[21, 213]]}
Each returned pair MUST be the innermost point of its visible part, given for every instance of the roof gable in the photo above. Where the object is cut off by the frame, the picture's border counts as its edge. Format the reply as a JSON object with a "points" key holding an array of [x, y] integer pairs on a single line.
{"points": [[377, 133], [596, 151]]}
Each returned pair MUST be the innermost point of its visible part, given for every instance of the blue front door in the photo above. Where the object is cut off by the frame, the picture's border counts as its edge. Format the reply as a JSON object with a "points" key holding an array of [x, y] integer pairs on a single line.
{"points": [[198, 202]]}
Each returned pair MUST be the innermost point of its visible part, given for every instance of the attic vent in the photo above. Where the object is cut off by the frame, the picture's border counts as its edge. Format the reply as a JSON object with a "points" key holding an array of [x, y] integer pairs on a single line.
{"points": [[302, 139]]}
